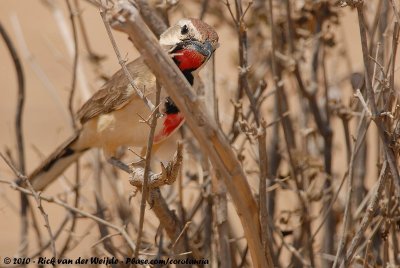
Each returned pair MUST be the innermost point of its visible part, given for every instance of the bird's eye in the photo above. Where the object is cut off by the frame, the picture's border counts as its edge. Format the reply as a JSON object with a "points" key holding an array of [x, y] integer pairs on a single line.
{"points": [[184, 30]]}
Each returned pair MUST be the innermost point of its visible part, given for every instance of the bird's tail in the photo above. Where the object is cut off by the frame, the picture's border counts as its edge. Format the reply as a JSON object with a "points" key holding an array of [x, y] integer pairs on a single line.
{"points": [[56, 163]]}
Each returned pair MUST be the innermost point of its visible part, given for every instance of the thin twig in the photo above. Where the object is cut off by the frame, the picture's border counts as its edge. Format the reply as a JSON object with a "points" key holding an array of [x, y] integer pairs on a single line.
{"points": [[368, 216], [57, 201], [298, 175], [94, 57], [145, 189], [152, 19], [203, 128], [389, 154], [36, 195], [38, 70], [363, 103], [21, 98], [122, 62], [57, 233], [180, 235], [62, 25], [19, 134], [75, 64]]}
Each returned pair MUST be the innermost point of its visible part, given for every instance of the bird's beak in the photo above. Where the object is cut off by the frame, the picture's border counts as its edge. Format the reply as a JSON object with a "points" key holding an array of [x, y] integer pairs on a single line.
{"points": [[206, 48]]}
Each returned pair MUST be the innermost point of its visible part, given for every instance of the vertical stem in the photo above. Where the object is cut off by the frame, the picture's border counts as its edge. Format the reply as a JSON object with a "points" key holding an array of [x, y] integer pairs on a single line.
{"points": [[19, 135], [145, 189], [263, 164], [75, 64], [388, 151], [20, 99], [218, 199], [306, 228], [261, 125]]}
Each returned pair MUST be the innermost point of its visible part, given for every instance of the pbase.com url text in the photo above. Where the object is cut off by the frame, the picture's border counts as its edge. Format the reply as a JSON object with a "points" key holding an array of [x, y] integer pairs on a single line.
{"points": [[99, 261], [166, 261]]}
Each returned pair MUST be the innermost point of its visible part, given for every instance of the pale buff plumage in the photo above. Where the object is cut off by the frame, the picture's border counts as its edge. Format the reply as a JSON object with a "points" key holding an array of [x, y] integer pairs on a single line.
{"points": [[112, 116]]}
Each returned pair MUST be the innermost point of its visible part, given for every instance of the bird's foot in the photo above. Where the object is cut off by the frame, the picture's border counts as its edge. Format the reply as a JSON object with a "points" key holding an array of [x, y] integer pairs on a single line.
{"points": [[119, 164]]}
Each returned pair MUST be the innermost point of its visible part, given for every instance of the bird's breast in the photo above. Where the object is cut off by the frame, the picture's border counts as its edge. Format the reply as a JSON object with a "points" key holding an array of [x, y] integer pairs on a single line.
{"points": [[170, 123], [189, 59]]}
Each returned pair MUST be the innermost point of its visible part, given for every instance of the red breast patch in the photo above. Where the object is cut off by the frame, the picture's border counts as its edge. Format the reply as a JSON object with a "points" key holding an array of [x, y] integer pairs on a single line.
{"points": [[171, 123], [189, 59]]}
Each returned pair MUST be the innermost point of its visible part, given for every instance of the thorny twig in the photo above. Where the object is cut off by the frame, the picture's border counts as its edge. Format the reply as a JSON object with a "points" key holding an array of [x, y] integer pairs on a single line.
{"points": [[73, 209], [149, 148], [260, 123], [75, 63], [206, 133], [371, 97], [368, 216], [19, 134], [166, 177], [296, 161], [69, 43], [73, 123], [122, 62], [287, 129], [38, 70], [36, 195]]}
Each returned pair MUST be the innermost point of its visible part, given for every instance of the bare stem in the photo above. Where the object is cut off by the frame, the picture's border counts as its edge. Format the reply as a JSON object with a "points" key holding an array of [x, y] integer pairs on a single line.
{"points": [[19, 134], [145, 189], [203, 128], [122, 63]]}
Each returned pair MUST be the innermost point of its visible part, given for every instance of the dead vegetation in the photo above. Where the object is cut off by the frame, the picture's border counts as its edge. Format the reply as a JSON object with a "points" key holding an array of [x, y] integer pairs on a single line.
{"points": [[290, 161]]}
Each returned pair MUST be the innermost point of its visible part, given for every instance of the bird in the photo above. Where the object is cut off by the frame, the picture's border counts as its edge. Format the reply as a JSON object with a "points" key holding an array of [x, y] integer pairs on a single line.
{"points": [[112, 117]]}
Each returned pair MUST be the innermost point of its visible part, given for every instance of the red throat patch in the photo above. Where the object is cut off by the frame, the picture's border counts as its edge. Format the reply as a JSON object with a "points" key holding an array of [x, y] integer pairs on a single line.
{"points": [[170, 124], [189, 59]]}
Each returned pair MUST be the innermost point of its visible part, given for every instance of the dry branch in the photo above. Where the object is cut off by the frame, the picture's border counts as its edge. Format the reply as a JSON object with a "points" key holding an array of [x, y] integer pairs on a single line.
{"points": [[203, 127], [61, 203], [152, 19], [376, 116], [19, 135], [166, 177], [146, 172], [369, 213], [299, 49], [123, 65], [38, 200]]}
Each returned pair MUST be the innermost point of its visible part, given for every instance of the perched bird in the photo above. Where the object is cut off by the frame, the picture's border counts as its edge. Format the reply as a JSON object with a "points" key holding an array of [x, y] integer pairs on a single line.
{"points": [[112, 116]]}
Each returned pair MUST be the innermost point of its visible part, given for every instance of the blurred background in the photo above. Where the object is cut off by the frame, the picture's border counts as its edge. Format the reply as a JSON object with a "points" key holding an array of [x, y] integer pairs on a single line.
{"points": [[320, 43]]}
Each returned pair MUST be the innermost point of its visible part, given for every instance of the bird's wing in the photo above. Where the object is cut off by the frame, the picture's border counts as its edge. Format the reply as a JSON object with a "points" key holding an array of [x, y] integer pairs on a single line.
{"points": [[116, 93]]}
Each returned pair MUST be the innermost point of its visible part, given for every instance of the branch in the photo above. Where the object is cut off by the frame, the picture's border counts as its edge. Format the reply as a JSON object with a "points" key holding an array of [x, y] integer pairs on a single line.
{"points": [[19, 131], [152, 19], [71, 96], [168, 219], [36, 195], [160, 207], [389, 154], [203, 127], [153, 124], [67, 37], [166, 177], [37, 69], [75, 64], [123, 65], [57, 201], [21, 97], [368, 216]]}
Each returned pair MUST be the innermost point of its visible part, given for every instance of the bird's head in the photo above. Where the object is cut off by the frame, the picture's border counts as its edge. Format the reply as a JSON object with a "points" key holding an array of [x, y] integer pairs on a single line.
{"points": [[191, 42]]}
